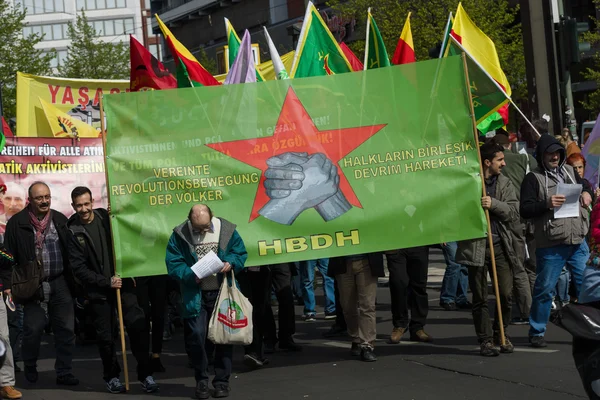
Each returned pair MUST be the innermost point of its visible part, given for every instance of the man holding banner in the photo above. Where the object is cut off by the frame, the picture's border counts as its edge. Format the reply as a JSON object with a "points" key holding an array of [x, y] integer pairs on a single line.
{"points": [[91, 257], [196, 237]]}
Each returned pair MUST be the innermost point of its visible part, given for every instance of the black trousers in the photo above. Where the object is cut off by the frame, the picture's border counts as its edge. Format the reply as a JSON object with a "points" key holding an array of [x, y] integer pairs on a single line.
{"points": [[281, 280], [408, 287], [152, 297], [255, 286], [105, 321]]}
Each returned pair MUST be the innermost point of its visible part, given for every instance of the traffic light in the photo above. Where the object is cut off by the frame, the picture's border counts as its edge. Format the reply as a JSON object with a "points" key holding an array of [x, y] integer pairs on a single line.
{"points": [[569, 33]]}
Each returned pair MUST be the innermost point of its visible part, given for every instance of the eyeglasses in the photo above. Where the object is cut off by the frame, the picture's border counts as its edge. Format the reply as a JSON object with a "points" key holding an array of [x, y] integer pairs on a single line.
{"points": [[42, 198]]}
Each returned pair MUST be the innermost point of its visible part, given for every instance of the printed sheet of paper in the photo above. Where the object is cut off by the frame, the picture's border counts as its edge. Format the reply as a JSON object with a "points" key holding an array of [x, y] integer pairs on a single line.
{"points": [[571, 206], [207, 265]]}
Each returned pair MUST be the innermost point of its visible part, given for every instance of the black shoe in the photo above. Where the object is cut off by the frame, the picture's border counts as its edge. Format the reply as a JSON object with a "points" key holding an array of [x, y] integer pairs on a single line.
{"points": [[156, 365], [368, 354], [487, 349], [67, 380], [519, 321], [31, 374], [448, 306], [537, 341], [202, 391], [269, 347], [335, 331], [221, 391], [355, 350], [252, 361], [465, 306], [290, 345]]}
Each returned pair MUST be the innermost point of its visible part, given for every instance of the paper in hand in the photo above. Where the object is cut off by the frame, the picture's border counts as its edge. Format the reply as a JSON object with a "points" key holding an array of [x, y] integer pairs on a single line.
{"points": [[570, 208], [208, 265]]}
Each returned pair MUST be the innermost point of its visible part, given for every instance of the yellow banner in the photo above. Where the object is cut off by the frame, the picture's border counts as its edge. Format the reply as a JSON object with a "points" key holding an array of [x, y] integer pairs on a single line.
{"points": [[78, 98]]}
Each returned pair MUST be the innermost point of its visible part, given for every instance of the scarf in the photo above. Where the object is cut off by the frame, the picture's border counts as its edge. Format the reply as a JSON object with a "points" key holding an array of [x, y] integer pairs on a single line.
{"points": [[41, 227]]}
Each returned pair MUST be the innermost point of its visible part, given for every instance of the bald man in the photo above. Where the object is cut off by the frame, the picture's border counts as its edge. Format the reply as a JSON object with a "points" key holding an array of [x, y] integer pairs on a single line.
{"points": [[191, 240]]}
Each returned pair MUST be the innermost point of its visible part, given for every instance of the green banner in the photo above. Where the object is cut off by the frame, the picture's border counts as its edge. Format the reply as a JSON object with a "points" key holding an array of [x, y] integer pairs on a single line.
{"points": [[307, 168]]}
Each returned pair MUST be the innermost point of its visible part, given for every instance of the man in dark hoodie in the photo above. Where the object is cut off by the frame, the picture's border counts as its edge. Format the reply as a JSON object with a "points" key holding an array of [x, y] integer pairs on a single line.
{"points": [[91, 257], [559, 241]]}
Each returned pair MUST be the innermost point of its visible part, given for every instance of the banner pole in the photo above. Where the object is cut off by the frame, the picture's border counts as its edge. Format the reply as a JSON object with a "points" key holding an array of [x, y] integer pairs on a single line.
{"points": [[487, 212], [112, 243]]}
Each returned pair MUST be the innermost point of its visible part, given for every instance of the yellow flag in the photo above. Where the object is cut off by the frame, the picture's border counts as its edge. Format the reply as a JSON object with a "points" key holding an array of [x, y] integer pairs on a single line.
{"points": [[66, 126]]}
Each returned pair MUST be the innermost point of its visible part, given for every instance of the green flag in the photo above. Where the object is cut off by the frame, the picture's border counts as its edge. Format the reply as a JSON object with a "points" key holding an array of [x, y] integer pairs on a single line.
{"points": [[376, 55], [318, 53], [348, 148]]}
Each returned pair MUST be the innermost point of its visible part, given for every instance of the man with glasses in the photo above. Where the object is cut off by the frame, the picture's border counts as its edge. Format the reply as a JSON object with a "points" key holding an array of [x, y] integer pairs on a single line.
{"points": [[38, 235]]}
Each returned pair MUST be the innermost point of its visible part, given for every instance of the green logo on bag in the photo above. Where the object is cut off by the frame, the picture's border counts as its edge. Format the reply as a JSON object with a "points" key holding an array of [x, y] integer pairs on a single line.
{"points": [[232, 316]]}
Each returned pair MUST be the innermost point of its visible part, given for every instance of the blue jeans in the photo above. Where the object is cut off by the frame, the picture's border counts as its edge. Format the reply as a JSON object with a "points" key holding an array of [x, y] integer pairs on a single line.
{"points": [[456, 278], [550, 262], [562, 287], [307, 272]]}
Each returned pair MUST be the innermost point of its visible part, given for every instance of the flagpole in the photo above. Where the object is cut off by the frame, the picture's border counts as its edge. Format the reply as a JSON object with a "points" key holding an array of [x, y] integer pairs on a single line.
{"points": [[112, 242], [497, 84], [365, 66], [487, 212]]}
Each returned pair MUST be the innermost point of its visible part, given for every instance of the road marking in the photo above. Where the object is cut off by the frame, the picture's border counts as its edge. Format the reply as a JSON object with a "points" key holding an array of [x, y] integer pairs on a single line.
{"points": [[530, 350]]}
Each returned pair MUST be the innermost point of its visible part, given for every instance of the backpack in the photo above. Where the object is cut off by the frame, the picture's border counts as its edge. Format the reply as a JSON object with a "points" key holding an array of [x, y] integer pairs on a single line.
{"points": [[26, 281]]}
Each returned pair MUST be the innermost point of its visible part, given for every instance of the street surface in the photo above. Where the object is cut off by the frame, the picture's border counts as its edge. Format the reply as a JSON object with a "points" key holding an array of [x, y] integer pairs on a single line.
{"points": [[450, 368]]}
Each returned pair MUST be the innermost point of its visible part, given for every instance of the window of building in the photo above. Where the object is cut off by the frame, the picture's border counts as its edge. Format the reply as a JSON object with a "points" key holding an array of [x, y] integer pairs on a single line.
{"points": [[149, 27], [59, 58], [50, 32], [99, 4], [153, 48], [121, 4], [109, 28], [113, 27], [129, 26], [42, 6]]}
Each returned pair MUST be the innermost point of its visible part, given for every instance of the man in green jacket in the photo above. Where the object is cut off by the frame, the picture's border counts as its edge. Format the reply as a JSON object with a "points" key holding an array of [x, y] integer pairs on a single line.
{"points": [[190, 241], [502, 204]]}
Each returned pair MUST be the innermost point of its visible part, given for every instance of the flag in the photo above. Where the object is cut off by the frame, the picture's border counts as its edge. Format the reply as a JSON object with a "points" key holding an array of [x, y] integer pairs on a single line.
{"points": [[3, 129], [356, 64], [243, 69], [405, 49], [280, 71], [318, 53], [591, 152], [233, 45], [64, 125], [467, 37], [6, 129], [376, 55], [189, 71], [146, 70]]}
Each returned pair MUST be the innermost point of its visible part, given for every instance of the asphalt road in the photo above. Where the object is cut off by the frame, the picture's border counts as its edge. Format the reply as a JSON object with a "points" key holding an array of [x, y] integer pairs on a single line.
{"points": [[448, 369]]}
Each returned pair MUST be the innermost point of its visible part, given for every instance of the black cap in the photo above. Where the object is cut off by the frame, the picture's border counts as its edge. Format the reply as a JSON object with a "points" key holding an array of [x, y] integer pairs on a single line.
{"points": [[554, 147]]}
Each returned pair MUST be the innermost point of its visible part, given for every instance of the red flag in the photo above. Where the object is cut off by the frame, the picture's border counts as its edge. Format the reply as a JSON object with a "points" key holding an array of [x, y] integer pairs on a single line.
{"points": [[6, 129], [354, 61], [146, 70], [405, 50]]}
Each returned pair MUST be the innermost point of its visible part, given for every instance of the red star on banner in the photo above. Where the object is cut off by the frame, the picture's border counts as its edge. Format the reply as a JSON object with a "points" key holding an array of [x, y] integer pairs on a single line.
{"points": [[296, 132]]}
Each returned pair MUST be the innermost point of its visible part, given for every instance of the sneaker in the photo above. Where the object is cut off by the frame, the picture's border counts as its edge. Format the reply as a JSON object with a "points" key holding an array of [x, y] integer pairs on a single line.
{"points": [[310, 317], [149, 386], [537, 341], [289, 345], [31, 374], [396, 335], [421, 336], [67, 380], [465, 306], [487, 349], [355, 350], [519, 321], [221, 391], [335, 331], [9, 392], [156, 365], [367, 354], [507, 348], [252, 361], [115, 386], [202, 391], [330, 315], [448, 306]]}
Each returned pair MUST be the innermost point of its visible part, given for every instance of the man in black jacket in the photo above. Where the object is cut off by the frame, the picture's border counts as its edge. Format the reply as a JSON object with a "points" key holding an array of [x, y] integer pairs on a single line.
{"points": [[91, 256], [38, 236]]}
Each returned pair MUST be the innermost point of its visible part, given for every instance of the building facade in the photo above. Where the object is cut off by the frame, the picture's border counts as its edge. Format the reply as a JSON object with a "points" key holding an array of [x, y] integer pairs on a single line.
{"points": [[113, 20]]}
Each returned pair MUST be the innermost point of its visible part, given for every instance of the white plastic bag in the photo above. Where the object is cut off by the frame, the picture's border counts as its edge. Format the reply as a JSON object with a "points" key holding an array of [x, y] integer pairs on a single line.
{"points": [[231, 320]]}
